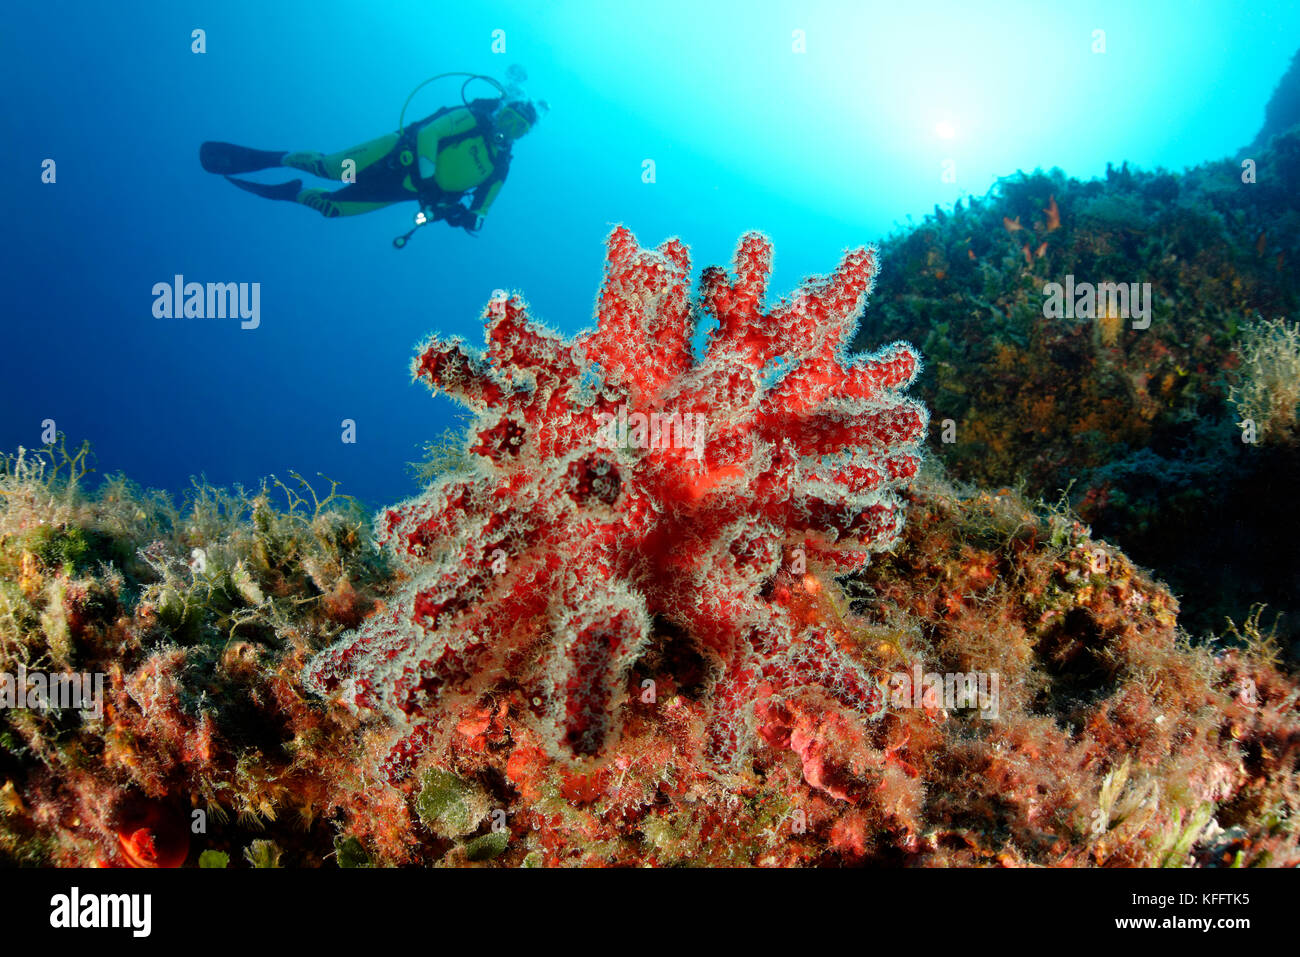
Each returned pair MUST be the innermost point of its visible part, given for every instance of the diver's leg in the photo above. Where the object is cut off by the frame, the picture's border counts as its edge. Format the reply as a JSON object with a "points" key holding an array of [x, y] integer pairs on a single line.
{"points": [[341, 202], [329, 204], [337, 203], [331, 166], [364, 195]]}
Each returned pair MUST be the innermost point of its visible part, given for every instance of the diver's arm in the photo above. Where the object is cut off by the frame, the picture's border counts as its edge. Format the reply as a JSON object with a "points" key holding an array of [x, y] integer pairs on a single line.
{"points": [[484, 197], [486, 193]]}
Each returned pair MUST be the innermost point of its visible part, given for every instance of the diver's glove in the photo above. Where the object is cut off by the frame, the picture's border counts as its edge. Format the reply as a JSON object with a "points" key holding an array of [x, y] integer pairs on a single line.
{"points": [[457, 215]]}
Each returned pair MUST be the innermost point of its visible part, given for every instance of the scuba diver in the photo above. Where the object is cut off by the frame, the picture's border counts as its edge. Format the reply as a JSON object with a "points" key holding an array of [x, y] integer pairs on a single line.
{"points": [[436, 160]]}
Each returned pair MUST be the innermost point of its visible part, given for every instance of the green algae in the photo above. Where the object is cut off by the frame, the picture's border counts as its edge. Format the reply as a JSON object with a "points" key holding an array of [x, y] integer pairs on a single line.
{"points": [[350, 852], [487, 846], [448, 805]]}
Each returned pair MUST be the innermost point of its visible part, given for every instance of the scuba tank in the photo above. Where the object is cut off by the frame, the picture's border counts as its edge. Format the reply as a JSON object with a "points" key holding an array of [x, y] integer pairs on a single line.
{"points": [[432, 212]]}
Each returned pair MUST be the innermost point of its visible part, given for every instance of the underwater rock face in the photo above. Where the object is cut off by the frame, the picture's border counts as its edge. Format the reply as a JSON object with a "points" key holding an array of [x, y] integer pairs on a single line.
{"points": [[1131, 415], [1283, 109], [620, 487]]}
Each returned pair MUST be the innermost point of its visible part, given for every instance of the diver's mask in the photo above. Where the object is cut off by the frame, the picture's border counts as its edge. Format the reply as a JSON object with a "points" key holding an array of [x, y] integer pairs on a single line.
{"points": [[514, 120]]}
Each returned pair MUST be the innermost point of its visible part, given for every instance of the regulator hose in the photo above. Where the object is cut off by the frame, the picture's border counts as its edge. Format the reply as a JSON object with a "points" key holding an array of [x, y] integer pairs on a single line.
{"points": [[470, 78]]}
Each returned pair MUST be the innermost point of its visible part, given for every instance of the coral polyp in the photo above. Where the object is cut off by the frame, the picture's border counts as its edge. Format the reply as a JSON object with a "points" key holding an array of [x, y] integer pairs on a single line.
{"points": [[623, 486]]}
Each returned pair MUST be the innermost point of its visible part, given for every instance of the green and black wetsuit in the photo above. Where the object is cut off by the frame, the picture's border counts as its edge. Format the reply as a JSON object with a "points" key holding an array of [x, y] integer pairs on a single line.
{"points": [[436, 160]]}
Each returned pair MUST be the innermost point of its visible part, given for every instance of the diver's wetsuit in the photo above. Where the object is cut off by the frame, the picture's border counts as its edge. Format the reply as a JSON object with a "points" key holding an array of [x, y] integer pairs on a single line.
{"points": [[435, 160]]}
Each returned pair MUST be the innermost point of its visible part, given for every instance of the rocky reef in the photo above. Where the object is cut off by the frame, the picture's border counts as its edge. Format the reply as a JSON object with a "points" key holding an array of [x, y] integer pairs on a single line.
{"points": [[1173, 431], [595, 642]]}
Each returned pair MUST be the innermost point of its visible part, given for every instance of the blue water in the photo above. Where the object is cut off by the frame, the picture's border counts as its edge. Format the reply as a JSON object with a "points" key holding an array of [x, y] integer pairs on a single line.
{"points": [[831, 147]]}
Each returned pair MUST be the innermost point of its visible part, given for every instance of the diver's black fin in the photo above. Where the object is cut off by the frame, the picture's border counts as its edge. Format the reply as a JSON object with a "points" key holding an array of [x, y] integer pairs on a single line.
{"points": [[226, 158], [287, 191]]}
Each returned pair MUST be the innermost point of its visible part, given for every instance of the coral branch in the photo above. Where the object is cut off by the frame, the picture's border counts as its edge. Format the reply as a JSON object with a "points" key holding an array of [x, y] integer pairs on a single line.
{"points": [[623, 486]]}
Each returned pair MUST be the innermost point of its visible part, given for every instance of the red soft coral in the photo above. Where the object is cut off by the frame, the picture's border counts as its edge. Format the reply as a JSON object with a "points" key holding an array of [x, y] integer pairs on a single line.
{"points": [[623, 483]]}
